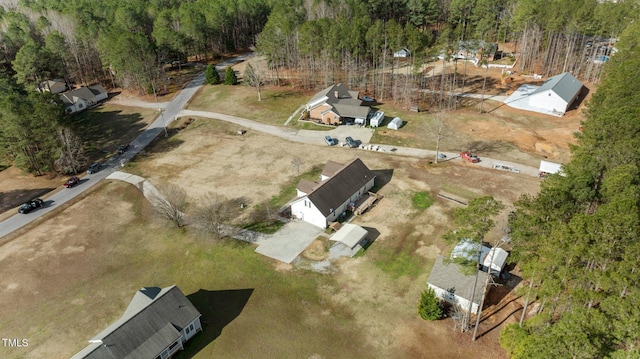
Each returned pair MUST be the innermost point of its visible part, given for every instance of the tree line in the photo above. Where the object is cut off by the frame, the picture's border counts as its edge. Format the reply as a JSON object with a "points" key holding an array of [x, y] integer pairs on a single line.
{"points": [[577, 240]]}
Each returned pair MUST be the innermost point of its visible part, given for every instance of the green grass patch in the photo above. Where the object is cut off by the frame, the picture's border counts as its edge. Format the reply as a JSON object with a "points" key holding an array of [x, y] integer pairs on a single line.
{"points": [[288, 191], [278, 103], [422, 200], [397, 256], [265, 227]]}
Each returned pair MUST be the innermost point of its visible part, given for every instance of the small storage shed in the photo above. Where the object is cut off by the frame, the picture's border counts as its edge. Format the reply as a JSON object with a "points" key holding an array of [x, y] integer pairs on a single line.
{"points": [[395, 124], [467, 249], [547, 167], [376, 119], [350, 235], [494, 260]]}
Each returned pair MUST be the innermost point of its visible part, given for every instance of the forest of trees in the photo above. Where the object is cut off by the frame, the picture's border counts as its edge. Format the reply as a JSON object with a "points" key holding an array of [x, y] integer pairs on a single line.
{"points": [[577, 240]]}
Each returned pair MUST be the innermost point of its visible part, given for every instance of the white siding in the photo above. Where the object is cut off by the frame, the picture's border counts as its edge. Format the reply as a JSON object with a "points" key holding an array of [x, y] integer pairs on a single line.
{"points": [[305, 210], [549, 100], [454, 299]]}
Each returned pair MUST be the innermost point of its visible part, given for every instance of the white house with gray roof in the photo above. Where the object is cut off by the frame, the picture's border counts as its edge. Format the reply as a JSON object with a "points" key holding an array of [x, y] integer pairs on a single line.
{"points": [[451, 284], [322, 202], [82, 98], [155, 325], [554, 97]]}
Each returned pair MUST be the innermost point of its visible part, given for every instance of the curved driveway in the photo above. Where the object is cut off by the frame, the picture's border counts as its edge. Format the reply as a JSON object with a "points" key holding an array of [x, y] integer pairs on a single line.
{"points": [[175, 108]]}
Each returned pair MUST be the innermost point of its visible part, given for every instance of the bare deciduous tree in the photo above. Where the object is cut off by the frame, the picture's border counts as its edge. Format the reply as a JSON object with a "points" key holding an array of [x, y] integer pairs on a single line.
{"points": [[254, 76], [296, 163], [437, 129], [170, 202], [214, 214], [71, 155]]}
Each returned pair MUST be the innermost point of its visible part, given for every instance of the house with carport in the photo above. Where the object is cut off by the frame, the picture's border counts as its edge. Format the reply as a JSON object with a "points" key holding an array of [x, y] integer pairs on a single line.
{"points": [[155, 325], [336, 105], [336, 191]]}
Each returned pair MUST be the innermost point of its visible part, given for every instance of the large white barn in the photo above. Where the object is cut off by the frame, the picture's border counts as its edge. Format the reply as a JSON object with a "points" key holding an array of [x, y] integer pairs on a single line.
{"points": [[554, 97]]}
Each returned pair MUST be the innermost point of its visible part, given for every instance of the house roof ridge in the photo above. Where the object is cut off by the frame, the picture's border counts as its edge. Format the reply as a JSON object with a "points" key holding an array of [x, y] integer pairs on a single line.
{"points": [[124, 319], [322, 183]]}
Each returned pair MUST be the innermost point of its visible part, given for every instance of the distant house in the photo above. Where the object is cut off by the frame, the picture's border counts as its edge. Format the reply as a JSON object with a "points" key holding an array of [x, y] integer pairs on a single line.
{"points": [[554, 97], [453, 286], [339, 187], [156, 324], [337, 104], [53, 86], [404, 52], [82, 98]]}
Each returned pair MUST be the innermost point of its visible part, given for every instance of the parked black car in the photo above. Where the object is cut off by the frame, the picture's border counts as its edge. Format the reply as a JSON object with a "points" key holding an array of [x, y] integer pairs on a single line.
{"points": [[123, 148], [95, 167], [31, 205], [351, 142]]}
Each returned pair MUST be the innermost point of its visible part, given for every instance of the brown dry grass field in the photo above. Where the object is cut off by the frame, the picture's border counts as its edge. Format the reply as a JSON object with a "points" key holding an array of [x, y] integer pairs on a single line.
{"points": [[72, 274]]}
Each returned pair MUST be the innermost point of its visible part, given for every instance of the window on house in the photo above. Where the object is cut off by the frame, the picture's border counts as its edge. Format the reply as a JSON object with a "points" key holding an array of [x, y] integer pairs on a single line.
{"points": [[174, 345], [187, 330], [191, 326], [80, 105]]}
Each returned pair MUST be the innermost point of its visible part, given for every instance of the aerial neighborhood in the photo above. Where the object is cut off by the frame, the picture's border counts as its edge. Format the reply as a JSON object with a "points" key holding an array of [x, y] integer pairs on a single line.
{"points": [[319, 179]]}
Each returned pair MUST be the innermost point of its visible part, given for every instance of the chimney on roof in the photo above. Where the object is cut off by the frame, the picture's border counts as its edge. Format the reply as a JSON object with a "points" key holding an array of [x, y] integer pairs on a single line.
{"points": [[335, 93]]}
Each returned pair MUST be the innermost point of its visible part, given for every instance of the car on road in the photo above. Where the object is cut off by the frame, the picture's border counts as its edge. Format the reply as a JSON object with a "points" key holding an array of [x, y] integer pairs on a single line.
{"points": [[30, 205], [466, 155], [351, 142], [123, 148], [368, 99], [329, 140], [72, 182], [95, 167]]}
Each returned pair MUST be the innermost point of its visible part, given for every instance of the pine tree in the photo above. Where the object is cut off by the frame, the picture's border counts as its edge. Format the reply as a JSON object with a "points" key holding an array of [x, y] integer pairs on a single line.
{"points": [[430, 307], [211, 75], [230, 77]]}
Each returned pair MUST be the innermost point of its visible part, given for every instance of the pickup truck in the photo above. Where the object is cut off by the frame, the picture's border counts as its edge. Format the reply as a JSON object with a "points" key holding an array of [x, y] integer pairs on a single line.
{"points": [[466, 155]]}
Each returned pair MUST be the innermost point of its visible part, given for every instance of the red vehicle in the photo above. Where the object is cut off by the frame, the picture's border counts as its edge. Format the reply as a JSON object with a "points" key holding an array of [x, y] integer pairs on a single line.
{"points": [[466, 155], [72, 182]]}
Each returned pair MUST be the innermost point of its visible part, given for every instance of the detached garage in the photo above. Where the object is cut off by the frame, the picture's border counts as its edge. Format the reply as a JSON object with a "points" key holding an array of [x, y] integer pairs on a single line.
{"points": [[350, 235]]}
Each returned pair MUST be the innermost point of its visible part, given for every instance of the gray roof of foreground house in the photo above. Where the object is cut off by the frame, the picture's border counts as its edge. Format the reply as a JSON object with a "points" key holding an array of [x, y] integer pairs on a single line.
{"points": [[564, 85], [152, 321], [331, 193], [450, 277]]}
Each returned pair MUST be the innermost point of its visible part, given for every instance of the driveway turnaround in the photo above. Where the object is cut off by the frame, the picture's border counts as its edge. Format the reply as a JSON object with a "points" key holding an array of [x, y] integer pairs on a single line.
{"points": [[291, 240]]}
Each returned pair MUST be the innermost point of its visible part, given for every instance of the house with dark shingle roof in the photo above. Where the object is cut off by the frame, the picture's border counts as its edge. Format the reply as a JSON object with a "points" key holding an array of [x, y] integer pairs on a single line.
{"points": [[335, 104], [155, 325], [339, 186]]}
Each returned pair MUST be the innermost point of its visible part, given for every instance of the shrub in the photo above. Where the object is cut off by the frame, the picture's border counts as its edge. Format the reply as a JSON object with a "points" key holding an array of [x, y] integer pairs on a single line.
{"points": [[211, 75], [230, 77], [430, 307]]}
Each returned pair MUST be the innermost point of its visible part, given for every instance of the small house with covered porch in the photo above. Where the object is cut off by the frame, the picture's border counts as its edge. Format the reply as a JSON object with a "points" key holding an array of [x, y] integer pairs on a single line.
{"points": [[336, 105]]}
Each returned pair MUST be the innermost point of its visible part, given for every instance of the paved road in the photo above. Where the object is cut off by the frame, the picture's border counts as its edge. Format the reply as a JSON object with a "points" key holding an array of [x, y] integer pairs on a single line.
{"points": [[173, 109]]}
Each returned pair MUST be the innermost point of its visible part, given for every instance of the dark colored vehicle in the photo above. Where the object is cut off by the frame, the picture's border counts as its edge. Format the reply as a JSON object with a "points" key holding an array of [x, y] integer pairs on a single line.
{"points": [[95, 167], [329, 140], [469, 157], [368, 99], [123, 148], [31, 205], [351, 142], [72, 182]]}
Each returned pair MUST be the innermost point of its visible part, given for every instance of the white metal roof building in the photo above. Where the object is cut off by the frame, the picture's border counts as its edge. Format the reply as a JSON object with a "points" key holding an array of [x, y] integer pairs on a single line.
{"points": [[550, 167], [350, 235], [554, 97]]}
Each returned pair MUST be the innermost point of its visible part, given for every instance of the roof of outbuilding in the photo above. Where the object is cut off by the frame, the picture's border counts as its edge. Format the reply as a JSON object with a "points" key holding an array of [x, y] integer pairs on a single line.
{"points": [[450, 277], [152, 321], [331, 193], [564, 85]]}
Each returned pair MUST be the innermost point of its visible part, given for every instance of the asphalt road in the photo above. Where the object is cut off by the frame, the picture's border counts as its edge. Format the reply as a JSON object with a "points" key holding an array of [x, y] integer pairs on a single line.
{"points": [[56, 199], [175, 108]]}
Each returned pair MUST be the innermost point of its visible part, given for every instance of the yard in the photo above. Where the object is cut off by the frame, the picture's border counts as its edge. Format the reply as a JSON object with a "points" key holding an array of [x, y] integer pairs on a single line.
{"points": [[73, 274]]}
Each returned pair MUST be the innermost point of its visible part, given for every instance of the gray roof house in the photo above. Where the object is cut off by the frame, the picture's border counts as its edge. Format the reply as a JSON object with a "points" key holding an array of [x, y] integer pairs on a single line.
{"points": [[339, 185], [82, 98], [333, 104], [155, 325], [554, 97], [452, 285]]}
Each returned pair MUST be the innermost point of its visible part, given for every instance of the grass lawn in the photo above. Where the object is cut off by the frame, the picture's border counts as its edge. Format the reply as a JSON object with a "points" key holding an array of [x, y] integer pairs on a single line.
{"points": [[105, 127], [245, 302]]}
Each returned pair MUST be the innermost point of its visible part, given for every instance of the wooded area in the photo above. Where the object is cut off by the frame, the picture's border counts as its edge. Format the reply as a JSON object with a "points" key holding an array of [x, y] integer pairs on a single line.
{"points": [[577, 241]]}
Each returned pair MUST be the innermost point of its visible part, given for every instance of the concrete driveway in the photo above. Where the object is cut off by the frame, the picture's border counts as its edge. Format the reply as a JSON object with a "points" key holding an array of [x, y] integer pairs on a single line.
{"points": [[291, 240]]}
